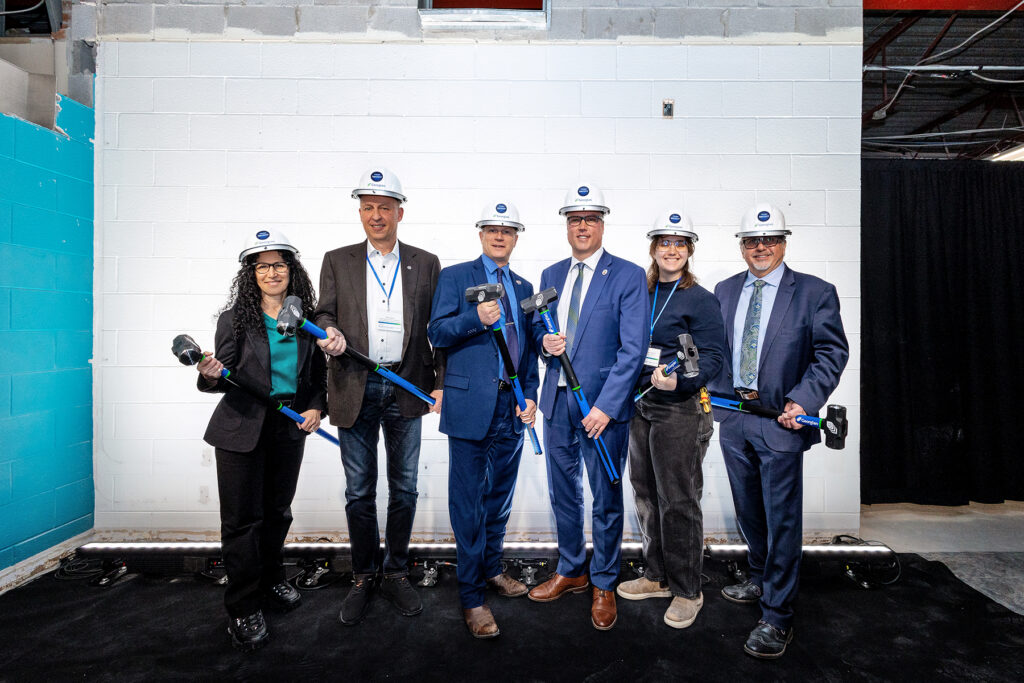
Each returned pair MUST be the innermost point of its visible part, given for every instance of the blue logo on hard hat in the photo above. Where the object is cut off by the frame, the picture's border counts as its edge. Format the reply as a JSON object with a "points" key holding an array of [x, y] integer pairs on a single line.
{"points": [[501, 208], [376, 176], [583, 191], [674, 218], [763, 216], [262, 235]]}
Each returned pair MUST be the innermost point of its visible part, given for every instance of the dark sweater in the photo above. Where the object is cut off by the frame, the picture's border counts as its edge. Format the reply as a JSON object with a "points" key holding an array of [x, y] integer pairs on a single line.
{"points": [[694, 310]]}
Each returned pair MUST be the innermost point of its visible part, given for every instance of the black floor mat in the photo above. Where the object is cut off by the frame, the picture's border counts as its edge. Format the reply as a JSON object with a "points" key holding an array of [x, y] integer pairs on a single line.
{"points": [[928, 626]]}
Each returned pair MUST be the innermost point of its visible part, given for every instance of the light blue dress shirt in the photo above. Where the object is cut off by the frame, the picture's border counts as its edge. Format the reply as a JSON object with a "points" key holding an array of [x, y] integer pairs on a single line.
{"points": [[768, 293], [492, 277]]}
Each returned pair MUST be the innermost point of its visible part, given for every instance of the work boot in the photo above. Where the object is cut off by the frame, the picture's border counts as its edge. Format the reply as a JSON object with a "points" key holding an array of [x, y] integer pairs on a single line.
{"points": [[682, 612], [643, 588], [401, 594], [480, 622]]}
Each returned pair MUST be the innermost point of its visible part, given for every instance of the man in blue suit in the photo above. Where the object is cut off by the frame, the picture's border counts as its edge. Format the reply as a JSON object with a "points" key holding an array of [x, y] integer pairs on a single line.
{"points": [[480, 415], [602, 312], [788, 350]]}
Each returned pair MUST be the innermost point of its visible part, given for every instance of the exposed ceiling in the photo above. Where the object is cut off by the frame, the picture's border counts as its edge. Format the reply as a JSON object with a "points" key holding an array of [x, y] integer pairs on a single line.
{"points": [[964, 96], [29, 17]]}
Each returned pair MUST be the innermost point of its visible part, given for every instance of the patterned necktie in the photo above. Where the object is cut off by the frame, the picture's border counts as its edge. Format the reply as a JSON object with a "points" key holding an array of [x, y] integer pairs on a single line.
{"points": [[751, 327], [511, 332], [574, 308]]}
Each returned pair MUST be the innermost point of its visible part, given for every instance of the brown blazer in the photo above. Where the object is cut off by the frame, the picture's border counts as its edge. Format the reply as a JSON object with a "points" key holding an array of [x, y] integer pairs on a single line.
{"points": [[343, 305], [236, 422]]}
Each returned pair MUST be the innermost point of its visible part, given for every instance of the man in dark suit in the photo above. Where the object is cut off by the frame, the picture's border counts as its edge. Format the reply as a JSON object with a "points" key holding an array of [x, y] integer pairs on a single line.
{"points": [[480, 415], [379, 292], [602, 312], [788, 350]]}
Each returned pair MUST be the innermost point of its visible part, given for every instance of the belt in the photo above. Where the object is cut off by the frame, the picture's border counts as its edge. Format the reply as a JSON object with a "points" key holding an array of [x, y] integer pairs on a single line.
{"points": [[390, 366], [504, 386], [747, 394]]}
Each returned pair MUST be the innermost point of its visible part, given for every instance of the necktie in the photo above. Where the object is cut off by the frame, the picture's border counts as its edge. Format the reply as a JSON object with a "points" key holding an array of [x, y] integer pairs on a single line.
{"points": [[574, 308], [511, 332], [751, 326]]}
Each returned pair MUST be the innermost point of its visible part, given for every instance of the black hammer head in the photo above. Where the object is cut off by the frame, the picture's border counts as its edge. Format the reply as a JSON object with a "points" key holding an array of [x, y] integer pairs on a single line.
{"points": [[539, 300], [490, 291], [186, 350], [290, 317], [835, 426], [688, 356]]}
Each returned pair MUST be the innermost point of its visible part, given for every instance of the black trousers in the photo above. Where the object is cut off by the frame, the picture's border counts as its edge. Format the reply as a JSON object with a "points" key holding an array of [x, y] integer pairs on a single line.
{"points": [[256, 492], [667, 444]]}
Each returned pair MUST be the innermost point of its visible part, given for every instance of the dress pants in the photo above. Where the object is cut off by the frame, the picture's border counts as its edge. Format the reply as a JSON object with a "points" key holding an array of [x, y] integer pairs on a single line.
{"points": [[256, 491], [667, 444], [569, 448], [767, 491], [481, 481], [359, 457]]}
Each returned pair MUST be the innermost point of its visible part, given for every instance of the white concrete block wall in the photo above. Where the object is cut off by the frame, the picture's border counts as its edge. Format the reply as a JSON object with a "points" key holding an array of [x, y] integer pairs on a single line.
{"points": [[202, 142]]}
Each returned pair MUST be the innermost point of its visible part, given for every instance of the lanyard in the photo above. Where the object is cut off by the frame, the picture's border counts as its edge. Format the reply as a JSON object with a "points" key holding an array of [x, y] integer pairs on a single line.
{"points": [[663, 307], [398, 269]]}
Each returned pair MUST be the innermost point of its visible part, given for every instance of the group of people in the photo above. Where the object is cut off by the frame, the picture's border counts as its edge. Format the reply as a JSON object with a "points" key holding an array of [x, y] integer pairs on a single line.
{"points": [[768, 335]]}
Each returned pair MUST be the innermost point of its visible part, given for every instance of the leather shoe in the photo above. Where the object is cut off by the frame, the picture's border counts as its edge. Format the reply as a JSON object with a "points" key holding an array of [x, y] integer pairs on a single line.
{"points": [[355, 604], [250, 632], [557, 586], [402, 595], [603, 613], [480, 622], [746, 593], [283, 596], [507, 587], [767, 641]]}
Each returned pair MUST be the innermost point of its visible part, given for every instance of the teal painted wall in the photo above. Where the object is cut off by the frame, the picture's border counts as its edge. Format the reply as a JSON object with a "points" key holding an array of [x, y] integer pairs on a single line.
{"points": [[46, 302]]}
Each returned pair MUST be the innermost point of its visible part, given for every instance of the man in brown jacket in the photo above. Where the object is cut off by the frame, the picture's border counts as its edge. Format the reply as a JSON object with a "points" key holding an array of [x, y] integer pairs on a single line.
{"points": [[379, 292]]}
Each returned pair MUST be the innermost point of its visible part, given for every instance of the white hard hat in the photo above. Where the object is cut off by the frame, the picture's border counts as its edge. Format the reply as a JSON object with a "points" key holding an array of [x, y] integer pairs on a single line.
{"points": [[584, 198], [763, 219], [673, 223], [379, 181], [500, 213], [266, 240]]}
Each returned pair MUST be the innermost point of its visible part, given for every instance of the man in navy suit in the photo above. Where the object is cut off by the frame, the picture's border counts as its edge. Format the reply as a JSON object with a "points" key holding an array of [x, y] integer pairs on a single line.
{"points": [[788, 350], [602, 312], [480, 415]]}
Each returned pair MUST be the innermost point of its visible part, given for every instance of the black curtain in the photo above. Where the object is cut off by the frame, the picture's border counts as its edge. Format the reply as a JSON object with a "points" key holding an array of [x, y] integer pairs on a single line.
{"points": [[942, 375]]}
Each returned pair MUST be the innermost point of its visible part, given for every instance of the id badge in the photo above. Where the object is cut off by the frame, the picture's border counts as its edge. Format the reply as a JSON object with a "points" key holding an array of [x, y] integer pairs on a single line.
{"points": [[653, 358], [389, 322]]}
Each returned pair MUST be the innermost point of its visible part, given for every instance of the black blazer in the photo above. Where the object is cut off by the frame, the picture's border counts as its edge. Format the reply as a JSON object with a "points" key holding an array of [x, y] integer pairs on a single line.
{"points": [[236, 422], [343, 305]]}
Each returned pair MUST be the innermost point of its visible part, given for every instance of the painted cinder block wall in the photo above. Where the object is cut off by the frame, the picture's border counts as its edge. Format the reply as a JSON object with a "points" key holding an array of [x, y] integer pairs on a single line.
{"points": [[204, 137], [46, 340]]}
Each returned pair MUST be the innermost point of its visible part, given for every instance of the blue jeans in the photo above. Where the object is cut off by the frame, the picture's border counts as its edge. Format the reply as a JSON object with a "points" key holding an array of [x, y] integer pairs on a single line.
{"points": [[359, 457]]}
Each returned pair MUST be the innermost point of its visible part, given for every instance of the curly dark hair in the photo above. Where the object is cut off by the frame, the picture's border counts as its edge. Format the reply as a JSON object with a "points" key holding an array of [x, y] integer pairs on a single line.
{"points": [[246, 298]]}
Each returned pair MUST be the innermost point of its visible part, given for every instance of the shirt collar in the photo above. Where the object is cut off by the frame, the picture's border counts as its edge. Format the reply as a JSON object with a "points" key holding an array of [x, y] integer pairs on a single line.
{"points": [[591, 261], [374, 251], [491, 267], [773, 278]]}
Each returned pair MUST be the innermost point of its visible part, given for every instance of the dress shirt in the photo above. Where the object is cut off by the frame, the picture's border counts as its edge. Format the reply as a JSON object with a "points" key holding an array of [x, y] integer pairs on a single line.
{"points": [[385, 346]]}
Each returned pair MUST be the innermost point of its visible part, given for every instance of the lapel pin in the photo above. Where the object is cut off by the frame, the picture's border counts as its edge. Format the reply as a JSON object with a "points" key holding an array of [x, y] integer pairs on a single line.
{"points": [[519, 282], [604, 272], [408, 267]]}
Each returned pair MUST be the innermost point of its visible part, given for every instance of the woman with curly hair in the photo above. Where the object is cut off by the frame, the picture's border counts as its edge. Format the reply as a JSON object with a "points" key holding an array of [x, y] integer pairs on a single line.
{"points": [[670, 431], [258, 450]]}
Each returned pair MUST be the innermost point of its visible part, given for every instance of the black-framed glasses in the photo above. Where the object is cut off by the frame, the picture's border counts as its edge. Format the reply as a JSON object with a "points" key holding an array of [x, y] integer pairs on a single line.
{"points": [[677, 243], [766, 240], [263, 268], [574, 221]]}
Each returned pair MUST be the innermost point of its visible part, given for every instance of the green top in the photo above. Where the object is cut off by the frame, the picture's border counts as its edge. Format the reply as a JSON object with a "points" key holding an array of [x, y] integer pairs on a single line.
{"points": [[284, 360]]}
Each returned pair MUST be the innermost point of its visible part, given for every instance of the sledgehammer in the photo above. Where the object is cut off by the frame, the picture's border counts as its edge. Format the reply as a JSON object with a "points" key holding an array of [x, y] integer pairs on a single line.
{"points": [[188, 352], [834, 424], [493, 292], [290, 319], [686, 356]]}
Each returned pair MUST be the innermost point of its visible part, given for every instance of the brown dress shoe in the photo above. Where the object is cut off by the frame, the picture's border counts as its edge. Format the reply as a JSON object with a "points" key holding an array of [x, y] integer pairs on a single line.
{"points": [[507, 587], [480, 622], [602, 611], [557, 586]]}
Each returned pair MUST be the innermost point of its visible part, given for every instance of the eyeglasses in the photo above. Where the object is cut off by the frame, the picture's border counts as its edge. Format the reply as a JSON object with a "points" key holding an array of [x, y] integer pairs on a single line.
{"points": [[678, 244], [766, 240], [263, 268], [574, 221]]}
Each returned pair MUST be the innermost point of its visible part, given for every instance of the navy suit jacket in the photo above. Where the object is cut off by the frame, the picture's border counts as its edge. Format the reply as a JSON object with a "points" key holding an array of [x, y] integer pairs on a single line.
{"points": [[611, 336], [471, 379], [804, 353]]}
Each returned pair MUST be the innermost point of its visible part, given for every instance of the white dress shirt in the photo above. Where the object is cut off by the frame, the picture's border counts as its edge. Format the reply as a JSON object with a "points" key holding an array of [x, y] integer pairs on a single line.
{"points": [[565, 293], [384, 315]]}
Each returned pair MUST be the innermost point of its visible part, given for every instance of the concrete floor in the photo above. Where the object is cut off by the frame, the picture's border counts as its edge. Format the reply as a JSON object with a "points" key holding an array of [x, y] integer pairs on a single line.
{"points": [[983, 545]]}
